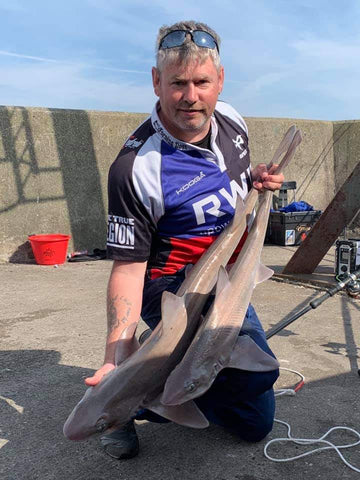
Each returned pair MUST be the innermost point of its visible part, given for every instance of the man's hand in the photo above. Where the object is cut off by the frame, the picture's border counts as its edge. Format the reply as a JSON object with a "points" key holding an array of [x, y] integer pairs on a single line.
{"points": [[95, 379], [264, 179]]}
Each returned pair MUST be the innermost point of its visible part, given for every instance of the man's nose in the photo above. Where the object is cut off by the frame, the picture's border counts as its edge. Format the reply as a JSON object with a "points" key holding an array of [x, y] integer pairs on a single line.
{"points": [[190, 93]]}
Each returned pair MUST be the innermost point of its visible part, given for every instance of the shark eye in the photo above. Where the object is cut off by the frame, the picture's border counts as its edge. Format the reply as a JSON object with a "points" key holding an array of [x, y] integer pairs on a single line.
{"points": [[190, 387], [101, 425]]}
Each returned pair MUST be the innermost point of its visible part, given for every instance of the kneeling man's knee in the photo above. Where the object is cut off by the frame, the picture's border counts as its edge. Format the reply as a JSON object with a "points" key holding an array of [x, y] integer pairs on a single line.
{"points": [[257, 418], [257, 432]]}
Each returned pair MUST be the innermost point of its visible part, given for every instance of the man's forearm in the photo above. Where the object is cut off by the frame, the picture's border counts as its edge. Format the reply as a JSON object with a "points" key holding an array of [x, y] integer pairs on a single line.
{"points": [[119, 309], [124, 297]]}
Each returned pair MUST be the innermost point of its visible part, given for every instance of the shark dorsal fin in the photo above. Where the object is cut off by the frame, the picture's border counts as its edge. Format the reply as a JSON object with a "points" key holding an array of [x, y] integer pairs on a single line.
{"points": [[127, 344], [222, 281], [239, 209], [171, 303]]}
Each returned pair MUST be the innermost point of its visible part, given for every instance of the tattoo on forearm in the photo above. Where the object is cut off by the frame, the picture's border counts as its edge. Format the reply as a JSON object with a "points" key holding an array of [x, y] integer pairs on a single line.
{"points": [[112, 313]]}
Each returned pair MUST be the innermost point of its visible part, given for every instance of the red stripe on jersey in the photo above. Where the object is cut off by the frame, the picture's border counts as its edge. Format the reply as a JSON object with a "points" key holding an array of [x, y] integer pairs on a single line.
{"points": [[185, 251]]}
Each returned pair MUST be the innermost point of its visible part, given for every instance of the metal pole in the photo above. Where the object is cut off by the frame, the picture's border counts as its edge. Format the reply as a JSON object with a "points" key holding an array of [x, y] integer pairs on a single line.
{"points": [[351, 277]]}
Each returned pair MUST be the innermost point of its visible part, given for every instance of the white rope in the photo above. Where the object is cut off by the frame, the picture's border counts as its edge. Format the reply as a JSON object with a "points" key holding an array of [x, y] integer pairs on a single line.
{"points": [[309, 441]]}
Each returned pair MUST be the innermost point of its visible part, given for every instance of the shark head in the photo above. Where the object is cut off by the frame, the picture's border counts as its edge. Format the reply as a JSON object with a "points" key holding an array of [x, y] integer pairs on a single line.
{"points": [[181, 388], [87, 418], [94, 414]]}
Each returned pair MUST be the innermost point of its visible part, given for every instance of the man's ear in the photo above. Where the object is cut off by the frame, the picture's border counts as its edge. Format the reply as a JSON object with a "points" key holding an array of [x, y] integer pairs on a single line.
{"points": [[221, 79], [156, 80]]}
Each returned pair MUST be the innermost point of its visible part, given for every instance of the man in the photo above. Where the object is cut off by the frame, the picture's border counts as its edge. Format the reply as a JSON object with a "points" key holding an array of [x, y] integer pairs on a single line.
{"points": [[172, 190]]}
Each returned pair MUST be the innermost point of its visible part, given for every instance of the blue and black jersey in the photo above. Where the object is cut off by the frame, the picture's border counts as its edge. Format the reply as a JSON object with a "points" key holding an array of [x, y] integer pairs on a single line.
{"points": [[169, 200]]}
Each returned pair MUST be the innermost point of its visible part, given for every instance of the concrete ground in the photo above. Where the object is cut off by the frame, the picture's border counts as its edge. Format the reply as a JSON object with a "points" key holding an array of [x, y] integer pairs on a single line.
{"points": [[52, 330]]}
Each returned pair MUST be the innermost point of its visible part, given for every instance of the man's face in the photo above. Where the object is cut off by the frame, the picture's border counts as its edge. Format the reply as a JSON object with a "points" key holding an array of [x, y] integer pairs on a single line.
{"points": [[188, 95]]}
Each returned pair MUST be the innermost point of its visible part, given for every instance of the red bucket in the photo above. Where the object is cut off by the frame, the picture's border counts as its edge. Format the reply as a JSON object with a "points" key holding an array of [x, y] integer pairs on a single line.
{"points": [[49, 249]]}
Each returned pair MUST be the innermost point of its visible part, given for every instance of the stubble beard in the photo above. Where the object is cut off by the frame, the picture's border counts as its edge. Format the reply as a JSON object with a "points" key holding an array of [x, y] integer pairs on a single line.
{"points": [[192, 125]]}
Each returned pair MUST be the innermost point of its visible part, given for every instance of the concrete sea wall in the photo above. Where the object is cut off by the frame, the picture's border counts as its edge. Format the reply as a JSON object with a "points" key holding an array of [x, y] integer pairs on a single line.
{"points": [[54, 165]]}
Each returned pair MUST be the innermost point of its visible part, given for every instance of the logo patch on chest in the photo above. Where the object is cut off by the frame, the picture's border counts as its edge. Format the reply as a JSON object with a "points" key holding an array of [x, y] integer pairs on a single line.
{"points": [[240, 144], [192, 182]]}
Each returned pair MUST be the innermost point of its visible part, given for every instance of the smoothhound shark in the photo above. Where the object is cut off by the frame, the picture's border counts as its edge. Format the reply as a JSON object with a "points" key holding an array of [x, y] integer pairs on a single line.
{"points": [[217, 343], [138, 380]]}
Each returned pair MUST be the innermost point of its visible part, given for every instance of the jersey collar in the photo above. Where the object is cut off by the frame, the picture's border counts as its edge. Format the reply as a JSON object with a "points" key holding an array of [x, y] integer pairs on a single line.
{"points": [[175, 142]]}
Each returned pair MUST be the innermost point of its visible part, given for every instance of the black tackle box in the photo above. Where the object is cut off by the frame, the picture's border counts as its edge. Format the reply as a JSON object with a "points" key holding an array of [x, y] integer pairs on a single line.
{"points": [[290, 228]]}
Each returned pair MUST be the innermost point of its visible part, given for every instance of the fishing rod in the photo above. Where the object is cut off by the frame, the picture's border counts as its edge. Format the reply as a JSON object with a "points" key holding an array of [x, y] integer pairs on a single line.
{"points": [[347, 279]]}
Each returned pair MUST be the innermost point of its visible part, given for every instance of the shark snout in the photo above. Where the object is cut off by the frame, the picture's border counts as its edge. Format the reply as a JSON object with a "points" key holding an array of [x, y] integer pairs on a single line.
{"points": [[77, 431], [85, 420], [75, 434]]}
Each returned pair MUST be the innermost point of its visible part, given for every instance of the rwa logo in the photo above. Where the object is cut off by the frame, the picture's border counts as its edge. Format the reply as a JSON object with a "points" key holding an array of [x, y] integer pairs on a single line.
{"points": [[211, 204]]}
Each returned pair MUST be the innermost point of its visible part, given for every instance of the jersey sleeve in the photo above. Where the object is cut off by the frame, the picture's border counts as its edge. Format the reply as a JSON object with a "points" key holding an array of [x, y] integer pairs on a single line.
{"points": [[229, 111], [130, 227]]}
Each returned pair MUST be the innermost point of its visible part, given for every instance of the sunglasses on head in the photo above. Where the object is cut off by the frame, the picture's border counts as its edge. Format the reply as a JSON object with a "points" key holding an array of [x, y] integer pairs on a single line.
{"points": [[176, 38]]}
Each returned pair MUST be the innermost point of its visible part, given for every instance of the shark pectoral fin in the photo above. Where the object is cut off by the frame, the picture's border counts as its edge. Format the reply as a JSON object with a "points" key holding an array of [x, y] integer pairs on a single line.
{"points": [[263, 273], [127, 344], [188, 414], [247, 355], [222, 281]]}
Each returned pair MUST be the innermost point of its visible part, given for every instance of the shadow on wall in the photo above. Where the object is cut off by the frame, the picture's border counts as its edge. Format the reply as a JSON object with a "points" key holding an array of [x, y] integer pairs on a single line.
{"points": [[346, 156], [24, 164], [81, 178], [345, 146], [332, 144], [70, 179]]}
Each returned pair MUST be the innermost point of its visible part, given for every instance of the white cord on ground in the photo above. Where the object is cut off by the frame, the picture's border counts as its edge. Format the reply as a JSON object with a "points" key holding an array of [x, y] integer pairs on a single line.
{"points": [[309, 441], [290, 391]]}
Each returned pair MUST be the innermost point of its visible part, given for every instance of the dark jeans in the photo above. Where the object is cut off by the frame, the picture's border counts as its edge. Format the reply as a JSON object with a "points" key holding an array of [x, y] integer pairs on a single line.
{"points": [[238, 400]]}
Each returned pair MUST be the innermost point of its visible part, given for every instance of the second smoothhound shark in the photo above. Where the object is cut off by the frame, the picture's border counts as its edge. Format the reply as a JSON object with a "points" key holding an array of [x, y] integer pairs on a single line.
{"points": [[217, 343]]}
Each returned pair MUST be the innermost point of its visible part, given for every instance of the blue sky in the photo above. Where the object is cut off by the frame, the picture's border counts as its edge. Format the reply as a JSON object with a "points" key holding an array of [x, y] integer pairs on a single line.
{"points": [[282, 58]]}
